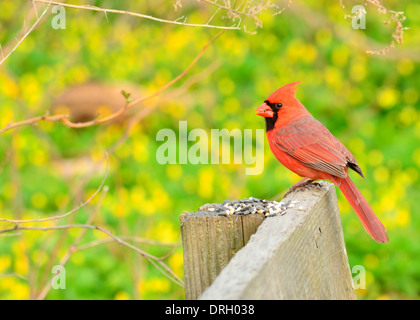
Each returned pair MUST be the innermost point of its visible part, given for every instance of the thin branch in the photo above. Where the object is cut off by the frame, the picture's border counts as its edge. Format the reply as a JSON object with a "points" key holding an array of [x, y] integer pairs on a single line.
{"points": [[135, 14], [397, 17], [76, 242], [179, 77], [317, 19], [33, 121], [19, 42], [13, 274], [126, 238], [154, 260], [227, 8], [70, 212], [68, 123]]}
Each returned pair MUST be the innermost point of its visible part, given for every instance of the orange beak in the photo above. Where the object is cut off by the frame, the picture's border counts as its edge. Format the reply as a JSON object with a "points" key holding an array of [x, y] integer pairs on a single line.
{"points": [[264, 111]]}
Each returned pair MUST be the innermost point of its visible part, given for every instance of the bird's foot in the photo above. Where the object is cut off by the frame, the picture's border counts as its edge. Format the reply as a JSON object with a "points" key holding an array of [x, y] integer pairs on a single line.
{"points": [[302, 184]]}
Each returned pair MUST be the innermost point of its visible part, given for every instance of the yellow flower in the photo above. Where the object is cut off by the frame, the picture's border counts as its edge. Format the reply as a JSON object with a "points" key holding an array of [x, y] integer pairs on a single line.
{"points": [[176, 262], [140, 152], [174, 172], [147, 207], [8, 87], [388, 98], [5, 262], [160, 198], [164, 231], [137, 196], [7, 116], [403, 217], [122, 295], [31, 89], [333, 77], [205, 178], [20, 291], [155, 284]]}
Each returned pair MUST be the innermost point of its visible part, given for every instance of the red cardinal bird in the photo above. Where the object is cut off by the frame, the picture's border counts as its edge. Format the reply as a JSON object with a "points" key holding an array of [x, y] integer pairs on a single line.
{"points": [[305, 146]]}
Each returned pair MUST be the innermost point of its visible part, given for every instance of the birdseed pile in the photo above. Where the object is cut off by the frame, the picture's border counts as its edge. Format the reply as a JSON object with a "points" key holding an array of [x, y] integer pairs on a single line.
{"points": [[249, 206]]}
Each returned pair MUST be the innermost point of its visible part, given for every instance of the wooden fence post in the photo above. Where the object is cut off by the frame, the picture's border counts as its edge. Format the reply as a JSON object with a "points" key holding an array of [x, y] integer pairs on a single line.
{"points": [[209, 242], [298, 255]]}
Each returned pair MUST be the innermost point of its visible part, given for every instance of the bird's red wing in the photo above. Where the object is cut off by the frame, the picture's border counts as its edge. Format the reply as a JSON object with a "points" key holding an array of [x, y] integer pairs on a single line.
{"points": [[309, 141]]}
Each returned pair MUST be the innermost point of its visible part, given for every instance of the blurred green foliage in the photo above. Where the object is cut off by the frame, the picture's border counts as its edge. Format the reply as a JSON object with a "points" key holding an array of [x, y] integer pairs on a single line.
{"points": [[370, 102]]}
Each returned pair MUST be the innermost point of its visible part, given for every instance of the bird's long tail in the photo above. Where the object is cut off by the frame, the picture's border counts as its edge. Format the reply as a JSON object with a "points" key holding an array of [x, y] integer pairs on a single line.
{"points": [[370, 222]]}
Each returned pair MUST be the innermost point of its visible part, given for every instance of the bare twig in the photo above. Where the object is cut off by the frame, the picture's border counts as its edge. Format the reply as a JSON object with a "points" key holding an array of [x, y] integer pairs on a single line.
{"points": [[126, 238], [19, 42], [246, 9], [318, 19], [57, 217], [154, 260], [72, 248], [33, 121], [13, 274], [397, 17], [70, 124], [139, 15]]}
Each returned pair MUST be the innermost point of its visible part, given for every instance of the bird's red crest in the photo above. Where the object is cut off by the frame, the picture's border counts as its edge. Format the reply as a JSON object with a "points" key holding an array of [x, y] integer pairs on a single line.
{"points": [[287, 91]]}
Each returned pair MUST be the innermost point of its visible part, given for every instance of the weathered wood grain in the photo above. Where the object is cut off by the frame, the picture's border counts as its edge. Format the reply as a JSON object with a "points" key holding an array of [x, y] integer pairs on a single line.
{"points": [[300, 255], [209, 242]]}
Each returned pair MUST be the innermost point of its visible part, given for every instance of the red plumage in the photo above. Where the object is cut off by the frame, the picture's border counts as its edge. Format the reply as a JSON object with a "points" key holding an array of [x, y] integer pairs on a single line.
{"points": [[306, 147]]}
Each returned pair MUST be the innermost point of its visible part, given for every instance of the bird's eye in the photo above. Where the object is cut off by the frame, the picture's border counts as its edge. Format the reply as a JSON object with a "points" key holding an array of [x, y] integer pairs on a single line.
{"points": [[274, 106]]}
